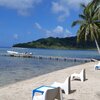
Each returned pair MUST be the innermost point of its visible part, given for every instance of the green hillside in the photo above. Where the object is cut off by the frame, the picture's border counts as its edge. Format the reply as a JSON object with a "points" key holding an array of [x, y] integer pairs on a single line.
{"points": [[58, 43]]}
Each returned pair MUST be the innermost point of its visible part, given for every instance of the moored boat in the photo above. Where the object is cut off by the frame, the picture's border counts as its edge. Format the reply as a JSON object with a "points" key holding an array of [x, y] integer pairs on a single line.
{"points": [[17, 54]]}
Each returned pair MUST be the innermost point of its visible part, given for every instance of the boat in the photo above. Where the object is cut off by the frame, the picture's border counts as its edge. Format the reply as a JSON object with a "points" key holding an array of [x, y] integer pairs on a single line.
{"points": [[12, 52], [17, 54]]}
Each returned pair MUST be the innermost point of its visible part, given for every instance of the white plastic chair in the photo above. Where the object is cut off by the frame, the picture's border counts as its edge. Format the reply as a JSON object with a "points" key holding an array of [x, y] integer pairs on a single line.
{"points": [[50, 94], [66, 86], [97, 66], [80, 76]]}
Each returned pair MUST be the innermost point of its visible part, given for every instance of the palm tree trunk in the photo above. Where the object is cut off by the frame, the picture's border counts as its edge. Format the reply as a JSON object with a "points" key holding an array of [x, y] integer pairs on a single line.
{"points": [[98, 48]]}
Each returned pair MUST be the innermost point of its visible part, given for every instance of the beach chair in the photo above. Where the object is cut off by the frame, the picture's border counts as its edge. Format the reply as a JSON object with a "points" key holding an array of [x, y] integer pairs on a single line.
{"points": [[66, 86], [50, 94], [97, 66], [81, 76]]}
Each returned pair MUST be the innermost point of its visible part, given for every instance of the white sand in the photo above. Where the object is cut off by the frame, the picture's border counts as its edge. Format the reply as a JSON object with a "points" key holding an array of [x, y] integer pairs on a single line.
{"points": [[88, 90]]}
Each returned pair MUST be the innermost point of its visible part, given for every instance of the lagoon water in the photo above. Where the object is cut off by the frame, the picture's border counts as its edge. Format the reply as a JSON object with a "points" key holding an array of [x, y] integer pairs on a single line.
{"points": [[14, 69]]}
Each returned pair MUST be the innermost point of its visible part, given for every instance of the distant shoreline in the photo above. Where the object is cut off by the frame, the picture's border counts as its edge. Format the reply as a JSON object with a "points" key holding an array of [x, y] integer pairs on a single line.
{"points": [[52, 48], [56, 48]]}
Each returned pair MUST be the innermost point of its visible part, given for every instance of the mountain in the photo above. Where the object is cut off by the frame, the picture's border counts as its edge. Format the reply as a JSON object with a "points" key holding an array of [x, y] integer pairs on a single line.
{"points": [[58, 43]]}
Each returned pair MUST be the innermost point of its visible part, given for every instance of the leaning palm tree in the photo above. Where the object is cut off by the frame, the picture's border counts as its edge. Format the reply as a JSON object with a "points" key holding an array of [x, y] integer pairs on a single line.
{"points": [[89, 23]]}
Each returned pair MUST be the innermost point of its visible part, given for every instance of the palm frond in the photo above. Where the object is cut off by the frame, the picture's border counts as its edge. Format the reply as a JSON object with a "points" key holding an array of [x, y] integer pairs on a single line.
{"points": [[77, 22], [92, 32], [83, 5], [87, 32], [90, 21], [81, 33], [96, 31], [82, 16]]}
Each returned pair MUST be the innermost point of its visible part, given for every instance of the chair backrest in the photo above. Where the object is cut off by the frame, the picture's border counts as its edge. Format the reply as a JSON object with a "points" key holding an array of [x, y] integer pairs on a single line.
{"points": [[52, 94], [67, 84], [99, 63], [83, 74], [82, 71]]}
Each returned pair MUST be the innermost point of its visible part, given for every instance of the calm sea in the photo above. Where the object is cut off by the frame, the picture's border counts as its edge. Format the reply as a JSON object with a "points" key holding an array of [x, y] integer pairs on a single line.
{"points": [[14, 69]]}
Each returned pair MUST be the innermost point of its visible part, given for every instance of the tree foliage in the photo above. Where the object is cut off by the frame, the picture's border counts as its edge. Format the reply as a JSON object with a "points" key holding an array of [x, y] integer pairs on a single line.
{"points": [[89, 22]]}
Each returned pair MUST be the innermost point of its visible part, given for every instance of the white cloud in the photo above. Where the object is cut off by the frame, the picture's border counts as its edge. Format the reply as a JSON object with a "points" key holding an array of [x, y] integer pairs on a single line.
{"points": [[75, 4], [63, 7], [21, 6], [59, 8], [58, 31], [15, 36], [38, 26]]}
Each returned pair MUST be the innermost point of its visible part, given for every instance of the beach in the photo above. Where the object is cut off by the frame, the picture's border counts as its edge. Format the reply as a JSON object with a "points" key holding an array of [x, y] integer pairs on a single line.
{"points": [[87, 90]]}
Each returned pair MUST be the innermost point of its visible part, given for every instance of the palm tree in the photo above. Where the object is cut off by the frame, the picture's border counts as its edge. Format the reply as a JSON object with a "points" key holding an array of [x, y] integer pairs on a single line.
{"points": [[89, 23]]}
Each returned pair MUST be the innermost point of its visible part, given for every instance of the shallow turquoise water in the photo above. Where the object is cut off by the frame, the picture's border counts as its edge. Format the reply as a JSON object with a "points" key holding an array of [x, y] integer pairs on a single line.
{"points": [[14, 69]]}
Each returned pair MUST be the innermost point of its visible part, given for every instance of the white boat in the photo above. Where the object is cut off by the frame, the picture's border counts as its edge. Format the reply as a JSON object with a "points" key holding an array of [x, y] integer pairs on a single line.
{"points": [[12, 52], [17, 54]]}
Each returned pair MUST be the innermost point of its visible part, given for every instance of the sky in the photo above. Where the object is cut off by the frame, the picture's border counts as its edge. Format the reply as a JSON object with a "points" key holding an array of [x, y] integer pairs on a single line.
{"points": [[28, 20]]}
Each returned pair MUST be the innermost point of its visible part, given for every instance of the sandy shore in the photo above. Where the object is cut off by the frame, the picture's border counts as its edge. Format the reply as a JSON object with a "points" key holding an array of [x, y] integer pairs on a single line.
{"points": [[88, 90]]}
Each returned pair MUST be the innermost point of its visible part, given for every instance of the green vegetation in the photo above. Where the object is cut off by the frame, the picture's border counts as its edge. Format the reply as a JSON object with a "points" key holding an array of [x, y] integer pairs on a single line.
{"points": [[89, 23], [58, 43]]}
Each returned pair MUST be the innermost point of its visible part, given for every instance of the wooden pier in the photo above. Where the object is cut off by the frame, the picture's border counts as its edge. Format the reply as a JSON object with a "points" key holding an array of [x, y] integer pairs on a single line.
{"points": [[62, 58], [57, 58]]}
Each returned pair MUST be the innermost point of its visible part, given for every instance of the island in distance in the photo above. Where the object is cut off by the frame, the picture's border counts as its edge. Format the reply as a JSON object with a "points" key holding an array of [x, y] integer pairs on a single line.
{"points": [[58, 43]]}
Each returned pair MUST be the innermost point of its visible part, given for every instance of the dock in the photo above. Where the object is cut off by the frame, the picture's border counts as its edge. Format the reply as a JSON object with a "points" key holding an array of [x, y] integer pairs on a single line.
{"points": [[57, 58], [62, 58]]}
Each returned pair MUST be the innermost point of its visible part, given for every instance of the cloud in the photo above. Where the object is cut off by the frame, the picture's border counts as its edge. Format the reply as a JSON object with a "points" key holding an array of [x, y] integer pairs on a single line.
{"points": [[58, 31], [37, 25], [59, 8], [22, 6], [63, 7], [15, 36]]}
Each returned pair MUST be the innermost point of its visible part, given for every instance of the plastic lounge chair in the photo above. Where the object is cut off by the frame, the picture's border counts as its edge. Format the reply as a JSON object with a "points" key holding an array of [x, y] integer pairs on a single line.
{"points": [[66, 87], [80, 76], [97, 66], [50, 94]]}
